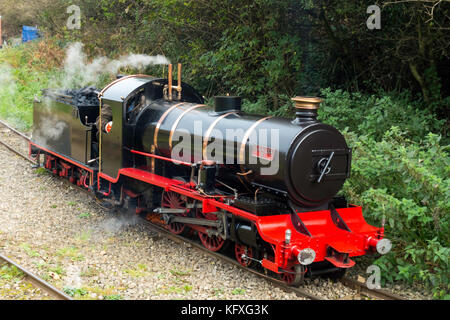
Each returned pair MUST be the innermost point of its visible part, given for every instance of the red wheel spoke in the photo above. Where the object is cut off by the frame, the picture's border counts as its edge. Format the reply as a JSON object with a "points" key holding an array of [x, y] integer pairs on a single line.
{"points": [[173, 200], [213, 243], [241, 250]]}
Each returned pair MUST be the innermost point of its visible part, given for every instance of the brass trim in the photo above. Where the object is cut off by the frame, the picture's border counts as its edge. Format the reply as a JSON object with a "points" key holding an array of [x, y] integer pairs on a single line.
{"points": [[179, 81], [170, 82], [152, 161], [100, 99], [245, 173], [175, 124], [244, 141], [209, 131], [123, 78], [310, 103], [160, 121]]}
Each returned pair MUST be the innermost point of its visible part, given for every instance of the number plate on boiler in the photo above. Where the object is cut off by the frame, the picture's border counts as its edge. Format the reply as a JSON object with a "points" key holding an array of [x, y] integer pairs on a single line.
{"points": [[263, 152]]}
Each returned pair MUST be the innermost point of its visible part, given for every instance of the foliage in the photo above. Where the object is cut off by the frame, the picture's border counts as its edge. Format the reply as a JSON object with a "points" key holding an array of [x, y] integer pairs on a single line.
{"points": [[273, 48], [10, 272], [75, 292], [387, 90], [24, 71], [114, 297], [400, 173], [373, 115], [407, 184]]}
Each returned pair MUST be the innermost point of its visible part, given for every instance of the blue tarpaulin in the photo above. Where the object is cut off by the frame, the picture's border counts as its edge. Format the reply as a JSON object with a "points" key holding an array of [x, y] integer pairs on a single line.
{"points": [[29, 33]]}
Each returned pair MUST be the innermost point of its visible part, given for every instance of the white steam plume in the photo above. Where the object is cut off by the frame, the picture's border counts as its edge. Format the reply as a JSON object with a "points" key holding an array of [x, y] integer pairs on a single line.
{"points": [[79, 72], [8, 86]]}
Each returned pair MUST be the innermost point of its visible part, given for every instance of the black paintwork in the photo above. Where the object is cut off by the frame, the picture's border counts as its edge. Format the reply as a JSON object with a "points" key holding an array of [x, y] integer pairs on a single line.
{"points": [[302, 144], [305, 177], [63, 127]]}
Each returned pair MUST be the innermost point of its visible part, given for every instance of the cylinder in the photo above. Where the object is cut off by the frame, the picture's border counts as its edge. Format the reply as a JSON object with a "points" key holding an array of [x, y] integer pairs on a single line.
{"points": [[246, 234]]}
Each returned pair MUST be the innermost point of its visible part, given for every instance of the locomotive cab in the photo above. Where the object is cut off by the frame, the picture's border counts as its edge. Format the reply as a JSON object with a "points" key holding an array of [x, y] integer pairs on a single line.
{"points": [[127, 97]]}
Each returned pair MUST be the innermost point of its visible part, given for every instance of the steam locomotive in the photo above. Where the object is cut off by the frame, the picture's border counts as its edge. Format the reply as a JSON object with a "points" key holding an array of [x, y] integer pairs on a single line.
{"points": [[265, 185]]}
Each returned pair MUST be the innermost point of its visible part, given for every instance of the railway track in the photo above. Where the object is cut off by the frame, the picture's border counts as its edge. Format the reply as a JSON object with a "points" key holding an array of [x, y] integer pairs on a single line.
{"points": [[361, 289], [36, 281]]}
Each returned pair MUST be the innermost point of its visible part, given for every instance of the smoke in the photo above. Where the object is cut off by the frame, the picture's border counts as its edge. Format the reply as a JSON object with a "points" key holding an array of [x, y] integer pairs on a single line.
{"points": [[117, 224], [79, 72], [50, 127], [73, 277], [8, 86]]}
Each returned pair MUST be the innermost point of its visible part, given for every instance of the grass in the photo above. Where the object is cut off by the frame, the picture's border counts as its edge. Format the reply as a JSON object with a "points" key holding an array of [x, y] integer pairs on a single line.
{"points": [[178, 273], [113, 297], [90, 272], [46, 270], [175, 290], [84, 215], [218, 291], [8, 272], [24, 71], [75, 292], [238, 291], [83, 236], [84, 293], [141, 270], [30, 252], [41, 171], [70, 253], [57, 269]]}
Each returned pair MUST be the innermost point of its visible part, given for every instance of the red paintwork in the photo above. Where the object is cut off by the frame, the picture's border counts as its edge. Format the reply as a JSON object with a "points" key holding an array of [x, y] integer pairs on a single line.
{"points": [[61, 156], [324, 233]]}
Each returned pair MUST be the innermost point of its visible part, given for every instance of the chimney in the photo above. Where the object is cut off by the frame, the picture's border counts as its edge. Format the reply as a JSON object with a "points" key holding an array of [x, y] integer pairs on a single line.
{"points": [[306, 108], [224, 104]]}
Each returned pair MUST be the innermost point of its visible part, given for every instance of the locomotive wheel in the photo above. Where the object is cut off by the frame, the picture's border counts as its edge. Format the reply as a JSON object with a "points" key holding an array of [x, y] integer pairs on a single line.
{"points": [[295, 276], [212, 243], [241, 250], [173, 200]]}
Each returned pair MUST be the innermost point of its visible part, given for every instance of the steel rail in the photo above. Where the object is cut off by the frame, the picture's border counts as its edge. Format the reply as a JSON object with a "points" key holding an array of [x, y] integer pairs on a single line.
{"points": [[14, 130], [363, 290], [20, 134], [36, 281], [360, 287], [298, 291]]}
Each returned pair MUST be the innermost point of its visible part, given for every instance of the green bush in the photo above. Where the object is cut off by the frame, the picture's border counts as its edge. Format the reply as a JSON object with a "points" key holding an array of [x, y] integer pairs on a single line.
{"points": [[24, 71], [400, 173], [408, 184], [373, 115]]}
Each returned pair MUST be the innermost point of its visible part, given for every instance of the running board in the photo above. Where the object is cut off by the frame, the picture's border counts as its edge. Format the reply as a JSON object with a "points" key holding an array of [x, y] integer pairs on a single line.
{"points": [[201, 222]]}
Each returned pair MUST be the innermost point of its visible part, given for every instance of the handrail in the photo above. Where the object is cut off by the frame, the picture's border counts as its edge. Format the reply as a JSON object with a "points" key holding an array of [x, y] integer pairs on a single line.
{"points": [[161, 157]]}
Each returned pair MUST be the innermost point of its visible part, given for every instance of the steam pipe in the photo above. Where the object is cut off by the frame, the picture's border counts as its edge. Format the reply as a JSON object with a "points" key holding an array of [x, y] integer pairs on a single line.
{"points": [[170, 82], [179, 81]]}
